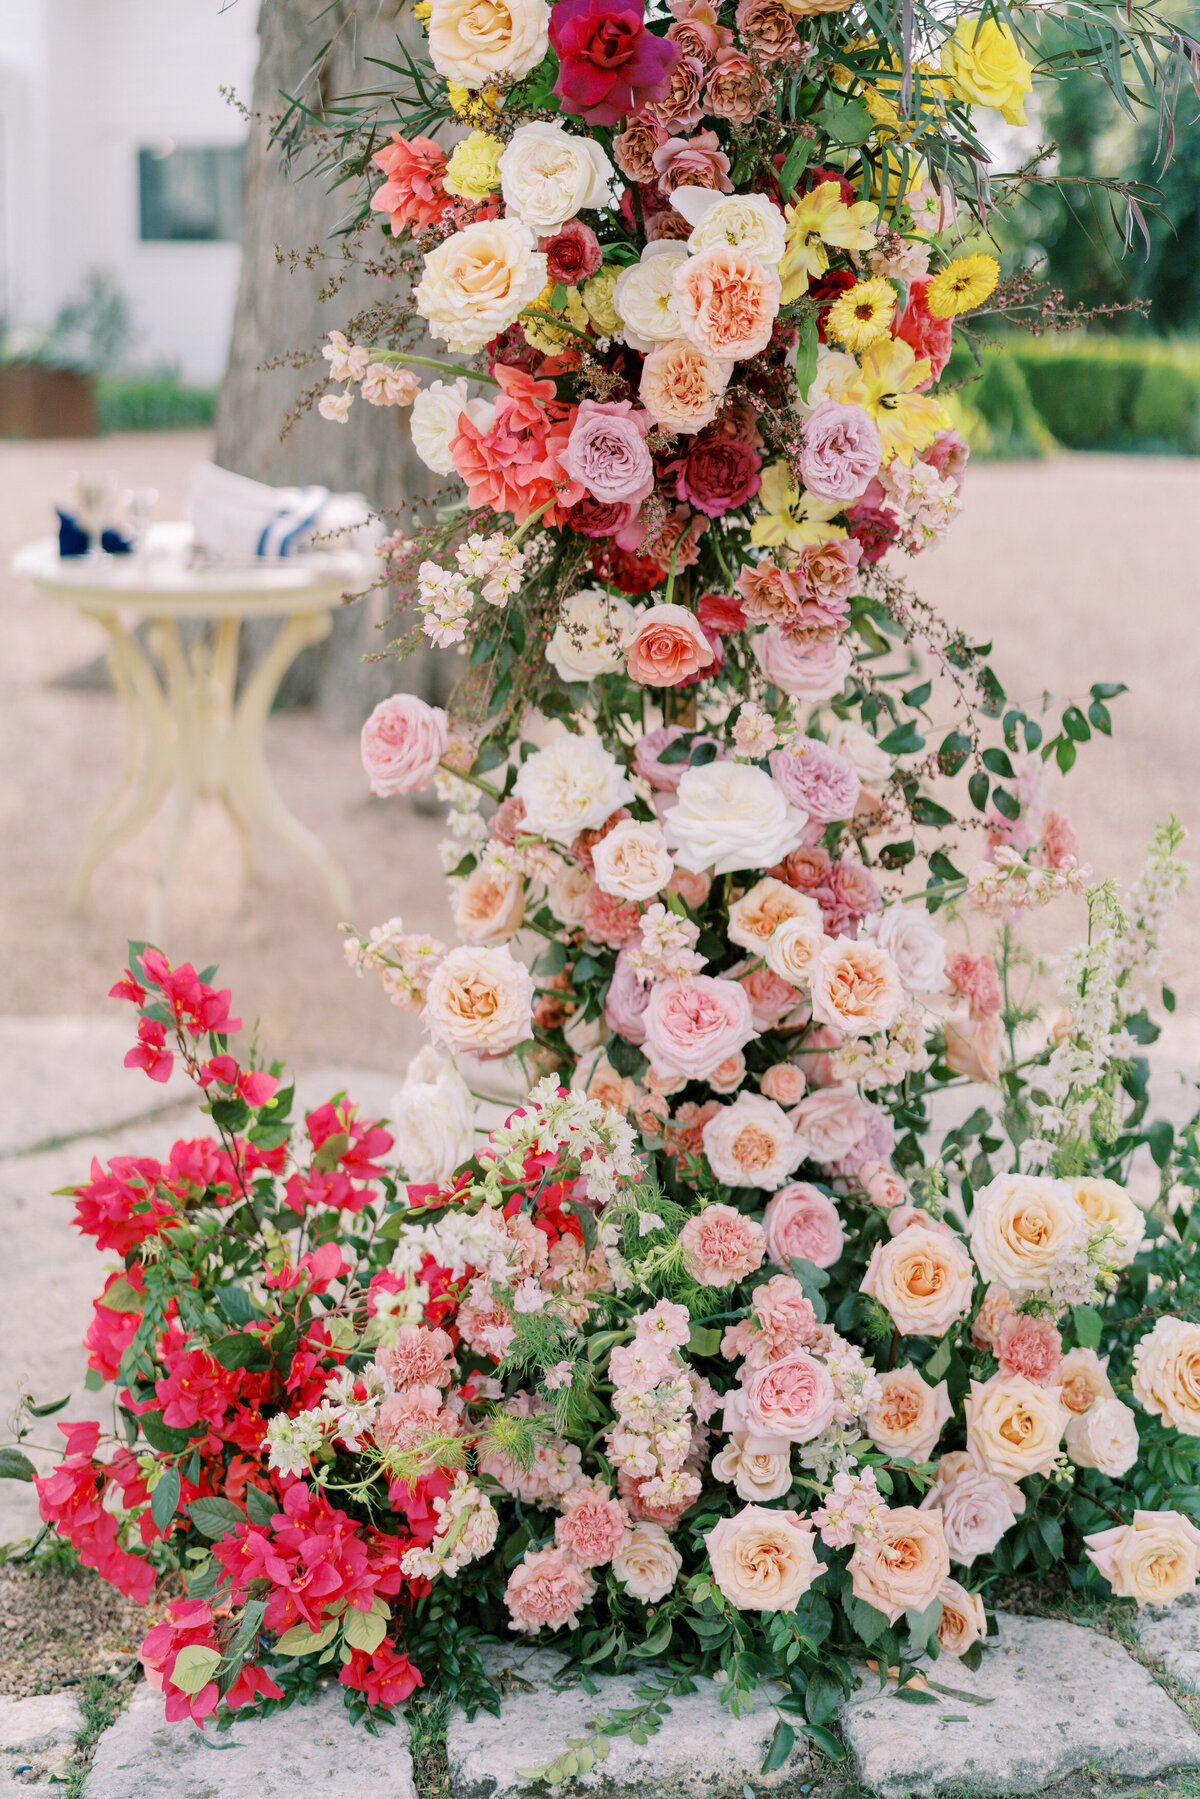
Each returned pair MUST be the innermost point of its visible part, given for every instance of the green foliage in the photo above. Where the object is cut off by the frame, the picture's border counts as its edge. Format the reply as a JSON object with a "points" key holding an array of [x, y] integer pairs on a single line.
{"points": [[1083, 395], [153, 401]]}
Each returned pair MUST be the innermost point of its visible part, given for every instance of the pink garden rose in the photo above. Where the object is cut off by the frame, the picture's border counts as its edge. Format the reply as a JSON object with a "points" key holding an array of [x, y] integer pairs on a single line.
{"points": [[402, 744], [793, 1399], [842, 451], [547, 1588], [572, 253], [817, 779], [751, 1143], [626, 1001], [802, 1221], [769, 594], [721, 1246], [827, 574], [727, 301], [692, 1025], [948, 454], [692, 162], [787, 1321], [830, 1122], [606, 451], [807, 671], [850, 894], [669, 647]]}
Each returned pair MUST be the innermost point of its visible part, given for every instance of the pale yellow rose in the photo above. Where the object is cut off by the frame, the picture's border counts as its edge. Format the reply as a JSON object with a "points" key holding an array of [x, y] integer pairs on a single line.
{"points": [[473, 41], [1105, 1204], [902, 1567], [908, 1416], [1104, 1437], [1014, 1428], [1020, 1225], [985, 65], [923, 1279], [1155, 1560], [479, 281], [597, 296], [754, 916], [1083, 1379], [480, 1000], [1166, 1374], [649, 1564], [763, 1561], [758, 1474], [489, 905], [963, 1621]]}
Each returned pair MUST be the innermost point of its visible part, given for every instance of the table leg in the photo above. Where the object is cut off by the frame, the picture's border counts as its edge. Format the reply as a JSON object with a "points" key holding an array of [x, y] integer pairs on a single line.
{"points": [[251, 793]]}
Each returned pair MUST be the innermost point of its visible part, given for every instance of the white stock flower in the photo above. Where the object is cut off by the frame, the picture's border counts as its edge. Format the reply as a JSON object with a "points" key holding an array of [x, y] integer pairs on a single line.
{"points": [[593, 632], [548, 175], [479, 281], [572, 785], [434, 422], [731, 815], [644, 297], [433, 1118]]}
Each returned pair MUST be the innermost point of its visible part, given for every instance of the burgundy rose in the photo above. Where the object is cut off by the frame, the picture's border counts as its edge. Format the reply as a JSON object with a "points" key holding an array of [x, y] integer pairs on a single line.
{"points": [[816, 176], [624, 569], [572, 254], [609, 64], [825, 290], [597, 518], [873, 525], [718, 474], [720, 612]]}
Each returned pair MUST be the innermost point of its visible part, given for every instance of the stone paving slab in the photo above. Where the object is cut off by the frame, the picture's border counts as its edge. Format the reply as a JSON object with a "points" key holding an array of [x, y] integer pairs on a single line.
{"points": [[1173, 1638], [306, 1752], [66, 1076], [1064, 1698], [36, 1736]]}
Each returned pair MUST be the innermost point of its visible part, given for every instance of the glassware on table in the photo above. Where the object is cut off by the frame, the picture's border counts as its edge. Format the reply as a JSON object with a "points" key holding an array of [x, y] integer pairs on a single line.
{"points": [[94, 498]]}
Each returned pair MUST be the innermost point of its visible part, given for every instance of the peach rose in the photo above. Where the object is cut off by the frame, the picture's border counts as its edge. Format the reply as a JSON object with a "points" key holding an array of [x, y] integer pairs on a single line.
{"points": [[751, 1143], [649, 1564], [923, 1279], [1020, 1225], [597, 1077], [479, 1000], [908, 1416], [727, 301], [789, 1400], [546, 1588], [802, 1221], [856, 988], [567, 893], [720, 1246], [1166, 1374], [963, 1622], [974, 1047], [728, 1075], [472, 43], [402, 744], [783, 1082], [883, 1186], [633, 861], [763, 1561], [902, 1567], [756, 1474], [1014, 1428], [1106, 1205], [490, 904], [989, 1320], [794, 950], [1083, 1379], [1155, 1560], [977, 1508], [668, 647], [682, 387], [754, 916], [1104, 1437]]}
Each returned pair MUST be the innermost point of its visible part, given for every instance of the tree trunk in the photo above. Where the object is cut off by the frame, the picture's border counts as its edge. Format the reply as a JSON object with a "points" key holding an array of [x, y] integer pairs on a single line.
{"points": [[279, 311]]}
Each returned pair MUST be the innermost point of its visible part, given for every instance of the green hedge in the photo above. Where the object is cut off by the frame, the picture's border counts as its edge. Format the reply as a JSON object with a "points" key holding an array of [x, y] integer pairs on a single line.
{"points": [[153, 401], [1084, 396]]}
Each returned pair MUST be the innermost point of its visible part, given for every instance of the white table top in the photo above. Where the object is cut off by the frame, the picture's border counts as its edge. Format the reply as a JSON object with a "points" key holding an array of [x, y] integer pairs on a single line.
{"points": [[163, 580]]}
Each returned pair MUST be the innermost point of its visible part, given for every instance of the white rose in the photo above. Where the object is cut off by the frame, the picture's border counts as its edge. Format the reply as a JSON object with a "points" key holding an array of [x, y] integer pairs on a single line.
{"points": [[433, 1118], [593, 632], [794, 949], [480, 1000], [572, 785], [547, 175], [914, 943], [583, 1034], [434, 421], [644, 298], [757, 1474], [479, 281], [649, 1564], [473, 41], [1104, 1437], [741, 221], [1166, 1373], [632, 862], [1020, 1226], [872, 765], [731, 815], [751, 1143], [1014, 1428]]}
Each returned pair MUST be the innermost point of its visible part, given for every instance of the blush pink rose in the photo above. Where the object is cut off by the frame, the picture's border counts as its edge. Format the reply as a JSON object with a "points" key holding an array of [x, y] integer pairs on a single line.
{"points": [[721, 1246], [751, 1143], [786, 1318], [850, 894], [784, 1083], [793, 1399], [594, 1527], [808, 671], [606, 451], [402, 744], [668, 647], [769, 595], [827, 574], [802, 1221], [692, 888], [830, 1122], [692, 162], [817, 779], [842, 451], [694, 1025], [547, 1588], [883, 1186], [727, 301], [771, 997]]}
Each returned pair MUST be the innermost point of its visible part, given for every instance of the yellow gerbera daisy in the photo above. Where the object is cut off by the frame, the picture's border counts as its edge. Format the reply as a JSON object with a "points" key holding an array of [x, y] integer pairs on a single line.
{"points": [[862, 314], [962, 284], [907, 421], [818, 218], [788, 516]]}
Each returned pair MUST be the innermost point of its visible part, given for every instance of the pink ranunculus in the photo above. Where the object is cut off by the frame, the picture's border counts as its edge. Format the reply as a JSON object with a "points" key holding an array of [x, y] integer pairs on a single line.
{"points": [[812, 672], [606, 452], [547, 1588], [626, 1001], [594, 1526], [974, 974], [948, 454], [692, 162], [926, 335], [803, 1221], [669, 647], [609, 920], [692, 1025], [610, 65], [1029, 1346], [572, 254], [717, 474], [413, 193], [816, 779], [721, 1246], [793, 1398], [850, 895], [402, 744], [842, 451], [827, 573]]}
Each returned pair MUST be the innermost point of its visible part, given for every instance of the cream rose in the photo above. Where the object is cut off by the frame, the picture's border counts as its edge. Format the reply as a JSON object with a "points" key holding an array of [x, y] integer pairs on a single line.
{"points": [[1105, 1204], [433, 421], [681, 387], [830, 1122], [737, 221], [479, 281], [731, 815], [914, 943], [1104, 1437], [644, 297], [1166, 1374], [473, 41], [480, 1000], [433, 1118], [632, 862], [901, 1567], [963, 1622], [757, 1474], [1014, 1428], [856, 988], [872, 765], [923, 1280], [649, 1564], [1021, 1224], [1083, 1378], [572, 785], [754, 916], [593, 632], [489, 905], [1155, 1560], [763, 1561], [567, 893], [548, 174], [751, 1143], [908, 1416], [794, 950]]}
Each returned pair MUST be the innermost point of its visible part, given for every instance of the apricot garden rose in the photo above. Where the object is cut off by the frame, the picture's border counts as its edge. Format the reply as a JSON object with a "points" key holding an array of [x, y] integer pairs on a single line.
{"points": [[763, 1560]]}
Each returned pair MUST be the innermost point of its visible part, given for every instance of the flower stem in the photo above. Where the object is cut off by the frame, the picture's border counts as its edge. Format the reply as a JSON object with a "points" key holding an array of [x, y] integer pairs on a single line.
{"points": [[431, 362], [475, 780]]}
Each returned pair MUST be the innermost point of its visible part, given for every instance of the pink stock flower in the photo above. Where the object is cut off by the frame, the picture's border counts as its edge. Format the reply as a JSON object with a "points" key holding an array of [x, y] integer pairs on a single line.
{"points": [[626, 1001], [547, 1588], [413, 193], [606, 452], [721, 1246], [802, 1221], [842, 451], [693, 1025], [609, 63], [1029, 1346]]}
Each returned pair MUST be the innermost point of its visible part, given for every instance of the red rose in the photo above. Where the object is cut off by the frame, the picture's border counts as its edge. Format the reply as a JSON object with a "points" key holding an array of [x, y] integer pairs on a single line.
{"points": [[609, 64], [572, 254], [718, 474], [720, 612]]}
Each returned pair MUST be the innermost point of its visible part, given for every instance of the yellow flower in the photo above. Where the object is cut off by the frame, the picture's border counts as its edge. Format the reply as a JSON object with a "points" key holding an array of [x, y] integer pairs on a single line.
{"points": [[863, 314], [962, 284], [907, 421], [475, 107], [984, 62], [540, 323], [818, 218], [597, 298], [473, 169], [927, 107], [423, 8], [787, 516]]}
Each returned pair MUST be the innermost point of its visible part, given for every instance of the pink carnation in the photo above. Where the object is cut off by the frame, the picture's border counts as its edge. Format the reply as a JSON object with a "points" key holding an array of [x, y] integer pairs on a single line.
{"points": [[802, 1221], [974, 974], [593, 1527], [606, 451], [816, 779], [1029, 1346], [693, 1025], [721, 1246], [417, 1357], [842, 451], [609, 920], [787, 1319], [402, 744], [407, 1420], [547, 1588]]}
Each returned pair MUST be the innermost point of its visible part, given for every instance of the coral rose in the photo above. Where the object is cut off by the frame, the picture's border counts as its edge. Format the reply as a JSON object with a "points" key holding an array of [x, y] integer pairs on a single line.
{"points": [[1155, 1560], [923, 1279], [1014, 1427], [963, 1622], [721, 1246], [546, 1588], [402, 744], [754, 916], [413, 193], [784, 1083], [902, 1566], [856, 988], [763, 1561], [727, 300], [751, 1143], [908, 1416], [667, 648]]}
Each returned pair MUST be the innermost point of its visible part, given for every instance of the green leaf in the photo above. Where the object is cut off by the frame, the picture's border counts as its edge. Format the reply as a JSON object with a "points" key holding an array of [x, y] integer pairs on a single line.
{"points": [[121, 1297], [194, 1668], [1161, 1138], [164, 1437], [165, 1498], [846, 122], [261, 1506], [781, 1746], [866, 1622], [898, 855], [1088, 1326], [998, 763], [704, 1342], [15, 1466], [1099, 716], [215, 1518], [1107, 690], [922, 1626], [939, 1361], [953, 752], [1065, 754], [977, 787], [49, 1408], [1076, 725], [905, 740], [913, 1696], [300, 1640], [917, 696], [1006, 803], [365, 1630], [821, 1696], [807, 346], [242, 1349], [927, 812]]}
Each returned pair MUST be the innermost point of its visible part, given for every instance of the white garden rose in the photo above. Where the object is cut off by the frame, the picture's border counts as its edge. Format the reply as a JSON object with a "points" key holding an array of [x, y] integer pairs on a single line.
{"points": [[644, 298], [479, 1000], [757, 1474], [751, 1143], [632, 862], [1020, 1226], [731, 815], [434, 421], [1014, 1428], [572, 785], [649, 1564], [741, 221], [1104, 1437], [566, 894], [593, 632], [433, 1118], [1104, 1203], [872, 765], [548, 175], [914, 943], [479, 281], [471, 42], [1166, 1374]]}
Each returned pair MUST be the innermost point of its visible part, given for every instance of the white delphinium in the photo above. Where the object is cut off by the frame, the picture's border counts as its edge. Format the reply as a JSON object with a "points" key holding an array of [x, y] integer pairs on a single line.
{"points": [[1073, 1081], [1152, 898]]}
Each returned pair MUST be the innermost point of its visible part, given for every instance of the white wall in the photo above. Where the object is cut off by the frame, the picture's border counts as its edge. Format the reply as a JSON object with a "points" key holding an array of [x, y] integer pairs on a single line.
{"points": [[83, 85]]}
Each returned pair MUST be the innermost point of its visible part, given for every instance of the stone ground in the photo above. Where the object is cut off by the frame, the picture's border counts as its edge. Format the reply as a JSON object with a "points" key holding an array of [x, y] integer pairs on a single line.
{"points": [[1078, 569]]}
